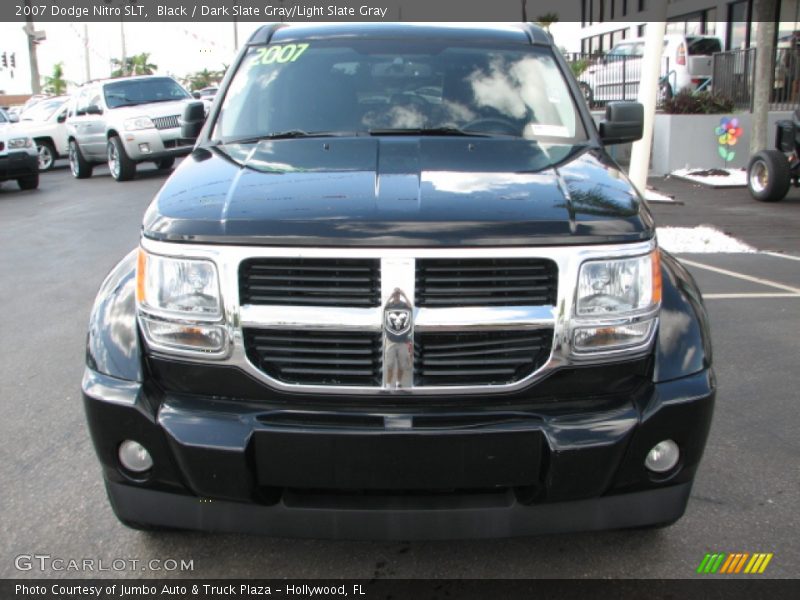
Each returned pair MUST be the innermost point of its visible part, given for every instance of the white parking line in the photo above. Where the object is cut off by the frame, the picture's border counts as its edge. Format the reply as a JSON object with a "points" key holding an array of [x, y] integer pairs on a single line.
{"points": [[759, 280], [779, 255], [745, 296]]}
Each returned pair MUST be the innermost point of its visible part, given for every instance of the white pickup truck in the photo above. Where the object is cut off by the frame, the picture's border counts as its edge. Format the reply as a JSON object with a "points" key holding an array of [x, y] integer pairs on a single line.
{"points": [[686, 63]]}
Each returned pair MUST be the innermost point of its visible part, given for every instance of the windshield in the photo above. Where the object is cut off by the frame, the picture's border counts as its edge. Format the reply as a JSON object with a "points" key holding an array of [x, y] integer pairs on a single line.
{"points": [[3, 118], [143, 91], [43, 110], [385, 86]]}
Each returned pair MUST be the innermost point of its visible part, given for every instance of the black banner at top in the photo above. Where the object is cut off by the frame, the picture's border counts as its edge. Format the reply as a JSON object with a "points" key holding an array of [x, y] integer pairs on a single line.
{"points": [[333, 10]]}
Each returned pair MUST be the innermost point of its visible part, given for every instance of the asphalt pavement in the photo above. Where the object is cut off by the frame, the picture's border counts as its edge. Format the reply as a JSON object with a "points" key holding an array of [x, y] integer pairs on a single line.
{"points": [[58, 243]]}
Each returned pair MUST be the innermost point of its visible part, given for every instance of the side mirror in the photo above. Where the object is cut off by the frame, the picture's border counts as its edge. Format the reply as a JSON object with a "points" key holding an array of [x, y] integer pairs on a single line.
{"points": [[194, 115], [93, 109], [624, 123], [61, 118], [196, 95], [13, 117]]}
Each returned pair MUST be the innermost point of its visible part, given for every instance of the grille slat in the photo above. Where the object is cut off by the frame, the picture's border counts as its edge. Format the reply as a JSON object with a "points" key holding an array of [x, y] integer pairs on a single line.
{"points": [[170, 122], [486, 282], [317, 357], [448, 358], [310, 282]]}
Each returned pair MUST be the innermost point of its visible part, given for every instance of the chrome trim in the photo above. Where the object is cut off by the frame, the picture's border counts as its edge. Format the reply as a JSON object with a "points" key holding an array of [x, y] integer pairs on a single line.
{"points": [[334, 318], [397, 298], [472, 318], [560, 316]]}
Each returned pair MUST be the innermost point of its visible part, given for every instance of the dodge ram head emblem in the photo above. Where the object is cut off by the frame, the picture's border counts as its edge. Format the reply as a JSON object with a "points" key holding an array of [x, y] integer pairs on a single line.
{"points": [[398, 321]]}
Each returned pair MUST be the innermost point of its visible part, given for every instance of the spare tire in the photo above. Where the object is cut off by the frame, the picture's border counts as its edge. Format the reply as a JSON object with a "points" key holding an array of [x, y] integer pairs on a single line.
{"points": [[768, 176]]}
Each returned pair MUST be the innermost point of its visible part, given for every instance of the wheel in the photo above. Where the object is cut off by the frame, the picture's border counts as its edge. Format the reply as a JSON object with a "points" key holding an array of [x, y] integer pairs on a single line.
{"points": [[80, 167], [664, 94], [165, 163], [31, 182], [119, 163], [769, 176], [588, 94], [47, 155]]}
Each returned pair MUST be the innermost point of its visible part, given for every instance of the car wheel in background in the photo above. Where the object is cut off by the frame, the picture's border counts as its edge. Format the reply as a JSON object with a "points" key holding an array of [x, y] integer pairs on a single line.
{"points": [[47, 155], [80, 167], [768, 176], [165, 163], [31, 182], [119, 163]]}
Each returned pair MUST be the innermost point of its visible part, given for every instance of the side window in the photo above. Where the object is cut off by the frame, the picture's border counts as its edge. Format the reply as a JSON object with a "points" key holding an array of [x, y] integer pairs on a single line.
{"points": [[94, 98], [82, 102]]}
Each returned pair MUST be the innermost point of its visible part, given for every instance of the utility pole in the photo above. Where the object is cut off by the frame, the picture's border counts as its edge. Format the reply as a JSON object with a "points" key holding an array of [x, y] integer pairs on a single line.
{"points": [[124, 66], [648, 95], [36, 84], [86, 51], [764, 12]]}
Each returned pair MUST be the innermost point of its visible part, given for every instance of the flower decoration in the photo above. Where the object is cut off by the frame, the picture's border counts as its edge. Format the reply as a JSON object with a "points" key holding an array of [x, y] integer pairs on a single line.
{"points": [[728, 133]]}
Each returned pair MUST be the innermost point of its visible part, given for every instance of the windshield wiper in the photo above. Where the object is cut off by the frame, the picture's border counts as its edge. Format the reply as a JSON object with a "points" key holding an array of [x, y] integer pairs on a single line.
{"points": [[433, 131], [288, 135]]}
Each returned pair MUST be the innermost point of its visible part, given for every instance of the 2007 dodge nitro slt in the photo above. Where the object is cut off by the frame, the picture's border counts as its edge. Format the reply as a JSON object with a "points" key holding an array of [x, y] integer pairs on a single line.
{"points": [[399, 290]]}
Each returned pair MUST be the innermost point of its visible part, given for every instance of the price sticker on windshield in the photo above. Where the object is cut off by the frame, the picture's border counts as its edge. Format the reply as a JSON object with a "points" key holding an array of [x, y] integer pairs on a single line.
{"points": [[280, 53]]}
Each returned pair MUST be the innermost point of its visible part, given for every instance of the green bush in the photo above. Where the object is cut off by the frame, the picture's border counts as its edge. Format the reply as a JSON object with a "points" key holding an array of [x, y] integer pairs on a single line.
{"points": [[700, 103], [579, 66]]}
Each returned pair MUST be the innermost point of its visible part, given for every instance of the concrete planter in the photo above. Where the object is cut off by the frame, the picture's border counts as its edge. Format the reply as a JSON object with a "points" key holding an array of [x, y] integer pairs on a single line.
{"points": [[689, 141]]}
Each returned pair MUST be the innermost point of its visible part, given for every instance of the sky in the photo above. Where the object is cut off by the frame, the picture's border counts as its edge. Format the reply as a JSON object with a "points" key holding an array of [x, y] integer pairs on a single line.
{"points": [[177, 48]]}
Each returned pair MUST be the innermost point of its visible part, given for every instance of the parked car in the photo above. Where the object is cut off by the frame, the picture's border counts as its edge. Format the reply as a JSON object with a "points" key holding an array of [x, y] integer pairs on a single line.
{"points": [[18, 158], [126, 121], [686, 63], [46, 124], [423, 302]]}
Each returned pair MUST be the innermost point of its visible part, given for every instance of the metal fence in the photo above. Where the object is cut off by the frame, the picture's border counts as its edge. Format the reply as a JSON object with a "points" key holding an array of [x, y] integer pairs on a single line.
{"points": [[604, 78], [734, 78]]}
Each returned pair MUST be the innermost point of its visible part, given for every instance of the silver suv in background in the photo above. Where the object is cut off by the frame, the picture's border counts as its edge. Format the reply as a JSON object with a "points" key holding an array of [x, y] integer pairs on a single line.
{"points": [[126, 121]]}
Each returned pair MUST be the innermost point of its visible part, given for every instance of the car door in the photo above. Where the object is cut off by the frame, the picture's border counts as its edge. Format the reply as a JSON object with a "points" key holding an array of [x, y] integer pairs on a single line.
{"points": [[89, 126]]}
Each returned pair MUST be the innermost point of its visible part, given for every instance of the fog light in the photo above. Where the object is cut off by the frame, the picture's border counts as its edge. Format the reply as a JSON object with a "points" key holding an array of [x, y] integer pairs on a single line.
{"points": [[135, 457], [662, 457], [144, 148]]}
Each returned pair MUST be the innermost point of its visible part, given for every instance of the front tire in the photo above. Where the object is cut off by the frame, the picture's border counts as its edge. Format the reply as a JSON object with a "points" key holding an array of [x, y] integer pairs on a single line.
{"points": [[78, 165], [119, 163], [769, 176], [165, 163], [31, 182], [47, 155]]}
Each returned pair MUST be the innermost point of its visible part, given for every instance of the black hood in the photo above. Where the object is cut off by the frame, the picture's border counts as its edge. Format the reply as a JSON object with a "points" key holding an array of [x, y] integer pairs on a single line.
{"points": [[398, 191]]}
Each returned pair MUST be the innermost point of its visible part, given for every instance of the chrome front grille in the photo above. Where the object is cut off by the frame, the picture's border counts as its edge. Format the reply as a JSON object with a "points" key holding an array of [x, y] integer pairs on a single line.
{"points": [[170, 122], [415, 347]]}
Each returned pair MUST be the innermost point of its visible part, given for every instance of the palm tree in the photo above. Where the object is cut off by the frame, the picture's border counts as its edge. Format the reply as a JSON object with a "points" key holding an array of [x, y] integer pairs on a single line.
{"points": [[546, 20], [202, 79], [141, 66], [134, 65], [56, 84]]}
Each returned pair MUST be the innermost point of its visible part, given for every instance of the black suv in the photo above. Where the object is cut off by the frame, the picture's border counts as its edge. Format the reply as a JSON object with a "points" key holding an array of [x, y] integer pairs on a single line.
{"points": [[399, 290]]}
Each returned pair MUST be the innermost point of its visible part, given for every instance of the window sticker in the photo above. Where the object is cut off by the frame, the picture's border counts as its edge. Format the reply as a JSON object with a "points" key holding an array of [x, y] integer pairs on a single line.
{"points": [[279, 53]]}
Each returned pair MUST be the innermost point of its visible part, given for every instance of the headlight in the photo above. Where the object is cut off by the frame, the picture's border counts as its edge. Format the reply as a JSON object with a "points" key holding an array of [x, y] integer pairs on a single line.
{"points": [[20, 142], [138, 123], [617, 302], [179, 303]]}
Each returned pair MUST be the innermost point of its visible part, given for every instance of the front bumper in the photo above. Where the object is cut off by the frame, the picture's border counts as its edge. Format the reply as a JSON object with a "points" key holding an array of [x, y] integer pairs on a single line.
{"points": [[226, 465], [18, 164], [154, 144]]}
